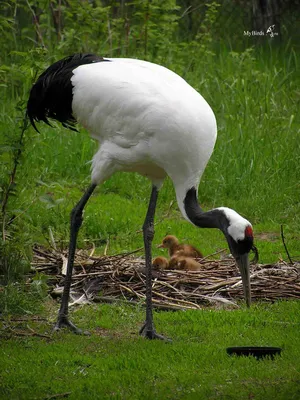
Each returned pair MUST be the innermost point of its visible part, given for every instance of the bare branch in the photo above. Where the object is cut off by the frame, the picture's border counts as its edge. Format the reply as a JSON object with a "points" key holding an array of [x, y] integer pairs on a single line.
{"points": [[283, 241]]}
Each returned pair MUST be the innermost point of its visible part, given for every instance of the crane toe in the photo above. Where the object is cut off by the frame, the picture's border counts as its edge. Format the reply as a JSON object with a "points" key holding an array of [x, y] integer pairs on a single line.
{"points": [[63, 322], [150, 333]]}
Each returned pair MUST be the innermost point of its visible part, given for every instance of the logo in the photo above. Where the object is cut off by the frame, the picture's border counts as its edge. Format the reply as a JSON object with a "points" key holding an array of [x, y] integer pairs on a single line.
{"points": [[269, 32]]}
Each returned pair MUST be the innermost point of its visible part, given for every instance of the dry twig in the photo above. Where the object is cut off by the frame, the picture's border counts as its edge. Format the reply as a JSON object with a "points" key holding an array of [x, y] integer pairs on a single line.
{"points": [[283, 241]]}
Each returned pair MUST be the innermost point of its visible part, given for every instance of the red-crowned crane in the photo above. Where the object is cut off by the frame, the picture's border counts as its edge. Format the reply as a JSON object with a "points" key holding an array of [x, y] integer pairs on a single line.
{"points": [[149, 120]]}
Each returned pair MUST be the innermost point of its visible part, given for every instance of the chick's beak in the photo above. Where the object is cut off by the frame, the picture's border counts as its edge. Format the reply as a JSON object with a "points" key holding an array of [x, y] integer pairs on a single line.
{"points": [[160, 246], [244, 267]]}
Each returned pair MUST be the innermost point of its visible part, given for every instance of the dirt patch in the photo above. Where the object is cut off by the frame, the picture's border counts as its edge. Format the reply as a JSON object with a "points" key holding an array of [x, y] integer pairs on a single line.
{"points": [[267, 236]]}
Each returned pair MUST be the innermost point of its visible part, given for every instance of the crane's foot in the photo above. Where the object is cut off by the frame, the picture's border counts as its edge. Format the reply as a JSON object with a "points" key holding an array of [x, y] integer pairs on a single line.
{"points": [[63, 322], [150, 333]]}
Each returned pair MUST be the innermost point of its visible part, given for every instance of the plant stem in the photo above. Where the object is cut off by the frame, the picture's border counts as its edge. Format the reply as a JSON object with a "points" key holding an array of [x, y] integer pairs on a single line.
{"points": [[12, 177]]}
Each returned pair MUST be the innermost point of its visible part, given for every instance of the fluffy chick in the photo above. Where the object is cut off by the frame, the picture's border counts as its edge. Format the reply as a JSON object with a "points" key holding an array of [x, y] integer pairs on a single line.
{"points": [[184, 263], [171, 243], [160, 263]]}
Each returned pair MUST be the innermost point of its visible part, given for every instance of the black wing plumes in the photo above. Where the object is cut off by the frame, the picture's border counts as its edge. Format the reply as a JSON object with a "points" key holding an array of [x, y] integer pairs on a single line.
{"points": [[51, 96]]}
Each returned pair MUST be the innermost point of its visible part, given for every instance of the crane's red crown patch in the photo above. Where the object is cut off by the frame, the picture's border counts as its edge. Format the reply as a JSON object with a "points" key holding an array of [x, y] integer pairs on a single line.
{"points": [[248, 232]]}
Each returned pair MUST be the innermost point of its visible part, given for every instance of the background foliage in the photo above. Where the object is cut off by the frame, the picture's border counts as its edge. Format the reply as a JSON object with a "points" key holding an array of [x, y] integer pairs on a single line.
{"points": [[251, 82]]}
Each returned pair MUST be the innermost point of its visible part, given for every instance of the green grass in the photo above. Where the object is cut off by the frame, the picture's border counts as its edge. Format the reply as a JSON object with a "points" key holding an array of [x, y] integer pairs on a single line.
{"points": [[115, 363]]}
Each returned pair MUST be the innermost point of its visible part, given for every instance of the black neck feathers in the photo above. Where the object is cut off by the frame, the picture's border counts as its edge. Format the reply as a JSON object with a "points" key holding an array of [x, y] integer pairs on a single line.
{"points": [[211, 219], [51, 96]]}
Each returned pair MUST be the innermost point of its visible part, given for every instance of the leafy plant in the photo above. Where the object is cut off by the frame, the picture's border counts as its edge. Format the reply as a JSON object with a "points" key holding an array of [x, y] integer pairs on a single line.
{"points": [[22, 298]]}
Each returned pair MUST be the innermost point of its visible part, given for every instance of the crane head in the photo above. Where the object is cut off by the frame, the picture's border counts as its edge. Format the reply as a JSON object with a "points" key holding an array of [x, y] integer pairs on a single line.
{"points": [[239, 234], [168, 242], [237, 230]]}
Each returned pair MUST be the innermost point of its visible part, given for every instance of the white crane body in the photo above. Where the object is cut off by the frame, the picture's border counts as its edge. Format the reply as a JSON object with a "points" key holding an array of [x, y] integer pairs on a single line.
{"points": [[146, 119]]}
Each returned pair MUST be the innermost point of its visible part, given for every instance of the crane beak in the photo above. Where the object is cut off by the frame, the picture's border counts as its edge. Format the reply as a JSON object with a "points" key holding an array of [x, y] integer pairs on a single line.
{"points": [[160, 246], [244, 267]]}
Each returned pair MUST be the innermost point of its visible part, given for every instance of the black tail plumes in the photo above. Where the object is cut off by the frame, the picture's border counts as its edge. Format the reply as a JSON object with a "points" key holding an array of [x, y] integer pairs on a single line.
{"points": [[51, 96]]}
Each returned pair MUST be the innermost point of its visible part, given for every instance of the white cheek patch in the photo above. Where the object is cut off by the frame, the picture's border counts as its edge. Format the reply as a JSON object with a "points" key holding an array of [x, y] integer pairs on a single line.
{"points": [[236, 231], [237, 224]]}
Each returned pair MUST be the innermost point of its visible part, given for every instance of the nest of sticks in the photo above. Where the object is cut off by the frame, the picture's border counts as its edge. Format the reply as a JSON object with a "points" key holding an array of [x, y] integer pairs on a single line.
{"points": [[122, 277]]}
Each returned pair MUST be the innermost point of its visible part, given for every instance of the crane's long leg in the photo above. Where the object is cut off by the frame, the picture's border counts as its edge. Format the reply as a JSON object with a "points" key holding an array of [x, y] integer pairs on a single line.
{"points": [[147, 329], [76, 221]]}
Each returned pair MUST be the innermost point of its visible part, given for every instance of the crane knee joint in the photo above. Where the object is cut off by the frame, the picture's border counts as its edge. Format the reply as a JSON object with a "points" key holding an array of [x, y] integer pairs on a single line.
{"points": [[76, 218], [148, 231]]}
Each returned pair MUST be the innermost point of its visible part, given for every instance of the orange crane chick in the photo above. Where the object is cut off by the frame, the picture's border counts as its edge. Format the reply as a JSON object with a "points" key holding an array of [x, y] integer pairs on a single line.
{"points": [[160, 263], [171, 243], [184, 263]]}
